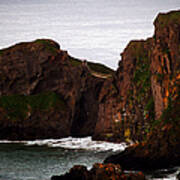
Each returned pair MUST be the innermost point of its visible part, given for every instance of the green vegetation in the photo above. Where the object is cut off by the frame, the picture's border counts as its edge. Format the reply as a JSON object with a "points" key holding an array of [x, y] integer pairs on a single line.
{"points": [[166, 19], [141, 89], [48, 46], [150, 104], [167, 116], [142, 78], [166, 50], [17, 106], [75, 62], [160, 77], [142, 74], [100, 68], [95, 67], [1, 52]]}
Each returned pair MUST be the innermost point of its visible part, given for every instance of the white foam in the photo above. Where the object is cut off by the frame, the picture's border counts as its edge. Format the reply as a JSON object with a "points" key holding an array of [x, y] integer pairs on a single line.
{"points": [[75, 144]]}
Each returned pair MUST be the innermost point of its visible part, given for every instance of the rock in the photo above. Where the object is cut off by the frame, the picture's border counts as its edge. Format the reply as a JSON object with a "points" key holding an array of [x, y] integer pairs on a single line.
{"points": [[45, 93], [161, 144], [145, 83], [178, 176], [77, 172], [122, 110], [160, 150], [98, 172]]}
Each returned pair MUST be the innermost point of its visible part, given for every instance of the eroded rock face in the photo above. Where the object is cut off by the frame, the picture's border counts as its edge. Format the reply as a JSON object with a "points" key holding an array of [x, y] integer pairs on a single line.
{"points": [[165, 65], [161, 147], [160, 150], [98, 172], [145, 83], [81, 99], [45, 93], [126, 105]]}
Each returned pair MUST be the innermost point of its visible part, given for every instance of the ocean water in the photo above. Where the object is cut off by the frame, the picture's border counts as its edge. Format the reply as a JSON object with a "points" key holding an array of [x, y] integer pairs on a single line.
{"points": [[40, 159], [96, 30]]}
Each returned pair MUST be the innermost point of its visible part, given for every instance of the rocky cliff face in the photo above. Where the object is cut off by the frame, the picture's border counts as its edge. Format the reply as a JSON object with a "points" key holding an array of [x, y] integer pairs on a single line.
{"points": [[45, 93], [145, 83], [129, 108], [161, 146]]}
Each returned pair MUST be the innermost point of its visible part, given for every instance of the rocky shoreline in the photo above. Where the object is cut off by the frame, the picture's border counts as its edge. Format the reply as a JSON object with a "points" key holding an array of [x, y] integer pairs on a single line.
{"points": [[46, 93], [98, 172]]}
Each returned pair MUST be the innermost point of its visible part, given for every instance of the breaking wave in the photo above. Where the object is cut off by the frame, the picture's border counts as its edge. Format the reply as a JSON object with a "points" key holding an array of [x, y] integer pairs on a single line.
{"points": [[74, 144]]}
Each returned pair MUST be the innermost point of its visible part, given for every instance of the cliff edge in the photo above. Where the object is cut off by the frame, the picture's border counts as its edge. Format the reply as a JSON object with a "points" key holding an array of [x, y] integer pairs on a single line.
{"points": [[46, 93], [161, 114]]}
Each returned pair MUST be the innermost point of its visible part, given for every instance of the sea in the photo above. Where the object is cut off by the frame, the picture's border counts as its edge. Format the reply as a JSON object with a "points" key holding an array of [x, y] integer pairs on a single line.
{"points": [[42, 159], [93, 30]]}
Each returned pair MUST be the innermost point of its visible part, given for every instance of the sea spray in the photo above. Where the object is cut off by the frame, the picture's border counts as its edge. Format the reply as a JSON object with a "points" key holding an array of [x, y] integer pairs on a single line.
{"points": [[74, 144]]}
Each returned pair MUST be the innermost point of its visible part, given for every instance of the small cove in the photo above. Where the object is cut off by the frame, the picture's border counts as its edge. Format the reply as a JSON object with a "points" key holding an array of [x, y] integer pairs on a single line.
{"points": [[40, 159]]}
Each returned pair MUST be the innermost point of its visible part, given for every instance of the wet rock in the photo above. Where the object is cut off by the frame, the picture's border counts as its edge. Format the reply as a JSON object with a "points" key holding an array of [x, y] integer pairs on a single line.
{"points": [[178, 176], [99, 172], [77, 172]]}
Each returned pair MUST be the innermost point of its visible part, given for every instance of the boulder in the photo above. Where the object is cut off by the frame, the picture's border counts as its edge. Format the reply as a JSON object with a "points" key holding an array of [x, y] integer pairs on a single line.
{"points": [[99, 172]]}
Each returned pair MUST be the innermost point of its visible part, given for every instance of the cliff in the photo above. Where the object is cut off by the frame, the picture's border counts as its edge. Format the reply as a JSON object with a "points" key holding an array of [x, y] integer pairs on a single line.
{"points": [[46, 93], [145, 84], [160, 148], [127, 112]]}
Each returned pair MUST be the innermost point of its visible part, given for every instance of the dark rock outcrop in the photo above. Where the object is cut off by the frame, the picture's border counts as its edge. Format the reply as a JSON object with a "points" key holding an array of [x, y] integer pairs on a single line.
{"points": [[45, 93], [178, 176], [126, 103], [143, 86], [99, 172], [160, 148]]}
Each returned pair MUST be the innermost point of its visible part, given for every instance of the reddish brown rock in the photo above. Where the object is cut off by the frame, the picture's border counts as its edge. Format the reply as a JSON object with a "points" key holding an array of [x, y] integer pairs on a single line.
{"points": [[99, 172], [126, 104], [161, 148], [146, 81], [45, 93]]}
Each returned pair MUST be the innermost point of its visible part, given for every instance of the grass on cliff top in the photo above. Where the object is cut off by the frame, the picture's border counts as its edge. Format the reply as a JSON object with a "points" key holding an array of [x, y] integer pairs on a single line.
{"points": [[17, 106], [96, 67], [75, 62], [164, 19], [49, 45], [100, 68]]}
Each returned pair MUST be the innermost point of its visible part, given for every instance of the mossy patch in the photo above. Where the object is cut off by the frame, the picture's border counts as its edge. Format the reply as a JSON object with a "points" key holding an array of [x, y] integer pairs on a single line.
{"points": [[94, 67], [141, 77], [49, 46], [1, 52], [18, 106], [164, 20], [100, 68], [142, 74], [150, 105], [74, 62]]}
